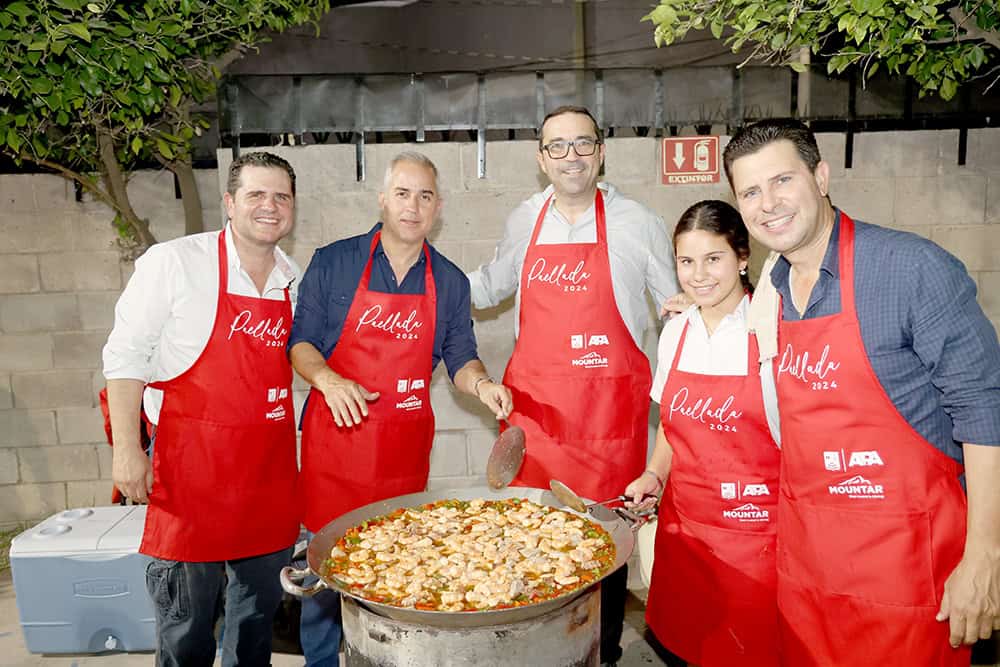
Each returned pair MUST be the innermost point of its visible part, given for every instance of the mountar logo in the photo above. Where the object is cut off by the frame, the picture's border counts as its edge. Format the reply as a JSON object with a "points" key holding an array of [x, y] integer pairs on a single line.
{"points": [[592, 360], [277, 414], [410, 403], [857, 487], [747, 512]]}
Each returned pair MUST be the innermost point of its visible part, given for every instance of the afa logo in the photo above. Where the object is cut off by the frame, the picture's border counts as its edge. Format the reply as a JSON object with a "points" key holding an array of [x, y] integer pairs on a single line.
{"points": [[756, 490]]}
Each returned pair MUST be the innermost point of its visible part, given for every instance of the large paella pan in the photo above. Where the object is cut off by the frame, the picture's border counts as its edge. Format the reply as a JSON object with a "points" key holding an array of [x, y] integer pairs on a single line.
{"points": [[319, 549]]}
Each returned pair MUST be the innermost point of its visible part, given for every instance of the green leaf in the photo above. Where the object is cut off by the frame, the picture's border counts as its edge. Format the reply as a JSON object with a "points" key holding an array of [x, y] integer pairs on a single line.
{"points": [[716, 28], [164, 149], [948, 89], [41, 86], [798, 66], [136, 145], [39, 45], [78, 29], [18, 9], [94, 8], [13, 140]]}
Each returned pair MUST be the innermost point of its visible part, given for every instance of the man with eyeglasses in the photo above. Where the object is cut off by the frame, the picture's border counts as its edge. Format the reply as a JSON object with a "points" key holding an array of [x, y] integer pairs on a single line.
{"points": [[579, 258]]}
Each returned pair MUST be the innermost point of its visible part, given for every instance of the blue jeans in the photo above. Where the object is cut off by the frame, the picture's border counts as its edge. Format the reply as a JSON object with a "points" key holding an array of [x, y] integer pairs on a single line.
{"points": [[319, 626], [187, 598]]}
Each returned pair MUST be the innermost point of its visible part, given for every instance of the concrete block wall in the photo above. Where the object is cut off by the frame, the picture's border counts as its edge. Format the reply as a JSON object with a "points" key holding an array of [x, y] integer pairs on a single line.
{"points": [[60, 274]]}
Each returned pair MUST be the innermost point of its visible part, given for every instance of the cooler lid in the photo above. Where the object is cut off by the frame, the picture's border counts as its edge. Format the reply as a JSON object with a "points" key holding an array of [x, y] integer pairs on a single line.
{"points": [[83, 530]]}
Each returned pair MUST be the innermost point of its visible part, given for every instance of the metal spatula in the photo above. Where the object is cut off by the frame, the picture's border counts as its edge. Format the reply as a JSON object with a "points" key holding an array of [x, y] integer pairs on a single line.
{"points": [[505, 457]]}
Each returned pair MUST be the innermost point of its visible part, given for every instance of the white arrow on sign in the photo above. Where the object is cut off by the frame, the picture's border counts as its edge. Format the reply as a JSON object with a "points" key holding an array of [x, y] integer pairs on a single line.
{"points": [[678, 154]]}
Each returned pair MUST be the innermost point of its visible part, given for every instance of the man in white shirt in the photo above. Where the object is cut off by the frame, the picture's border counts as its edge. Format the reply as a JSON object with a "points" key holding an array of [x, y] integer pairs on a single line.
{"points": [[201, 330], [579, 258]]}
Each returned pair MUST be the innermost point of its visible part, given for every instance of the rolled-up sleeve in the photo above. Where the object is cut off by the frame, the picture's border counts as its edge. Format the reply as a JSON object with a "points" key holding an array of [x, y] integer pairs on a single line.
{"points": [[310, 322], [140, 315], [958, 344], [459, 345]]}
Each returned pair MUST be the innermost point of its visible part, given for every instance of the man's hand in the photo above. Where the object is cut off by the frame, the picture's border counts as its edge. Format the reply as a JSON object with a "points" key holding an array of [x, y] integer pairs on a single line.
{"points": [[132, 471], [496, 397], [347, 400], [971, 600], [675, 305]]}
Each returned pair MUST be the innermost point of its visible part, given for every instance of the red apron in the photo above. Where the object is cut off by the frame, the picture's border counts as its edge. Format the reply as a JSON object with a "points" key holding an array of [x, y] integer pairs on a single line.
{"points": [[579, 382], [224, 465], [872, 515], [712, 591], [387, 345]]}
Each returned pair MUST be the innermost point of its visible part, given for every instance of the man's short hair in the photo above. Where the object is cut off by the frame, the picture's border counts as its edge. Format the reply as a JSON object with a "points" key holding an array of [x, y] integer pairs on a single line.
{"points": [[751, 138], [415, 158], [569, 108], [256, 159]]}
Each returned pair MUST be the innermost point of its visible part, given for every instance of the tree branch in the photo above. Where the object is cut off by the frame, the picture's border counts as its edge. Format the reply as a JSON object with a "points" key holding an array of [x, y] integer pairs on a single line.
{"points": [[965, 22], [114, 179]]}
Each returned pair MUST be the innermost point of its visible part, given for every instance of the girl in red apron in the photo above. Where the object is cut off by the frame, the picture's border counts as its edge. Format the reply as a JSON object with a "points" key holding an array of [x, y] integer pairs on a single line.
{"points": [[712, 595]]}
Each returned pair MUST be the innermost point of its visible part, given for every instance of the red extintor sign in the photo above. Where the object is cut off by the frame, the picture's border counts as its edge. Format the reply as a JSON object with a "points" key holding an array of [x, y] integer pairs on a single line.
{"points": [[690, 160]]}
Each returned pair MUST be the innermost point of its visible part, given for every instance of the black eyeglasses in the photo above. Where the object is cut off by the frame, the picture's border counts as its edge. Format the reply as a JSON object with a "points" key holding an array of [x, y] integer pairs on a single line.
{"points": [[584, 147]]}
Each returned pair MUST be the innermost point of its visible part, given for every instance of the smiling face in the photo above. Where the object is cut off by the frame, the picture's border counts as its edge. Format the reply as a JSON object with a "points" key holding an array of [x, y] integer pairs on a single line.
{"points": [[708, 270], [262, 209], [410, 204], [571, 176], [782, 202]]}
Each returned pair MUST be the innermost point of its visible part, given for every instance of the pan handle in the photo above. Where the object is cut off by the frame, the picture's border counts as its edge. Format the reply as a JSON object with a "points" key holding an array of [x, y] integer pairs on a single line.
{"points": [[291, 580]]}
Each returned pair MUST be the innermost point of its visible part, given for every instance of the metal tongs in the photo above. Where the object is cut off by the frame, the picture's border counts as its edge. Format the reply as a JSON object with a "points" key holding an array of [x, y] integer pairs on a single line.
{"points": [[572, 500], [506, 456]]}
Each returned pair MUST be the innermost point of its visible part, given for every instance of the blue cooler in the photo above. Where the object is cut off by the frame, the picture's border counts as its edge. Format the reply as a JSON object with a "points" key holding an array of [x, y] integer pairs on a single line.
{"points": [[81, 583]]}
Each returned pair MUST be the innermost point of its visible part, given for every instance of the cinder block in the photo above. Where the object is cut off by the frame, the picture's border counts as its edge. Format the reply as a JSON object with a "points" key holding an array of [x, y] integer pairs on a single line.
{"points": [[509, 165], [670, 201], [632, 160], [105, 460], [58, 464], [455, 411], [19, 274], [446, 156], [97, 310], [78, 350], [993, 197], [31, 502], [26, 352], [348, 214], [480, 444], [8, 466], [80, 425], [941, 200], [445, 483], [989, 292], [317, 168], [6, 393], [478, 215], [831, 149], [905, 154], [39, 312], [75, 271], [27, 428], [449, 457], [477, 253], [31, 231], [52, 191], [978, 246], [868, 199], [93, 230], [982, 149], [93, 493], [53, 389]]}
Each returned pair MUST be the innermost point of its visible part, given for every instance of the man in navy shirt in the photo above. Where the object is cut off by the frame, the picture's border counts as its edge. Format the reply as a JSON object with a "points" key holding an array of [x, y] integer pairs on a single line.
{"points": [[888, 384], [375, 315]]}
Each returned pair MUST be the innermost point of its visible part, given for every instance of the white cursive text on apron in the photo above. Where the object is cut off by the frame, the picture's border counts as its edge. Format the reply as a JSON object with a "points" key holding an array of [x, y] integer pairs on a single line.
{"points": [[702, 408], [393, 323], [272, 334], [798, 366], [554, 276]]}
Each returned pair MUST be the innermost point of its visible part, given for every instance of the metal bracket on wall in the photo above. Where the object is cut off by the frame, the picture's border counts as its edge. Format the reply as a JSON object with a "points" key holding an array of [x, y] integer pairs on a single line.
{"points": [[481, 126]]}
